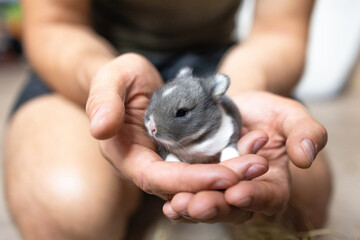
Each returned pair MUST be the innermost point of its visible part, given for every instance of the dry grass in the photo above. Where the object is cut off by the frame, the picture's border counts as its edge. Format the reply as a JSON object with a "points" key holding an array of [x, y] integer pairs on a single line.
{"points": [[261, 230], [272, 231]]}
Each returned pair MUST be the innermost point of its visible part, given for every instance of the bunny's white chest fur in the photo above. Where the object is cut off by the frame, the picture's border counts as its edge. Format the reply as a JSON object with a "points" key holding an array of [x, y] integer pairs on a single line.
{"points": [[217, 142], [210, 149]]}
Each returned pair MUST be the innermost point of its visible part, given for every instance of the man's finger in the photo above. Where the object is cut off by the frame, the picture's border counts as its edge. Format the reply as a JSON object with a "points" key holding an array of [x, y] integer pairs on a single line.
{"points": [[180, 202], [252, 142], [105, 105], [115, 86], [175, 216], [209, 207], [247, 166], [153, 175], [266, 195], [305, 138]]}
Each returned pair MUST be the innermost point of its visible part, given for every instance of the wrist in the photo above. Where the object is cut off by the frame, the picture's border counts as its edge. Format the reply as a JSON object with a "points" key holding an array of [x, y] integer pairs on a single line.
{"points": [[245, 73], [245, 81]]}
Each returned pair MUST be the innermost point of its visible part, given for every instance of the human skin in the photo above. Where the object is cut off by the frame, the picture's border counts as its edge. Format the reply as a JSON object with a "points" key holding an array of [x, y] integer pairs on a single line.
{"points": [[270, 59], [275, 190], [84, 68]]}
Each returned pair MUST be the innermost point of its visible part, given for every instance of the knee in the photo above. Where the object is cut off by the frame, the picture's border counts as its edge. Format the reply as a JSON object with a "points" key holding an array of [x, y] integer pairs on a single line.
{"points": [[64, 206], [57, 184]]}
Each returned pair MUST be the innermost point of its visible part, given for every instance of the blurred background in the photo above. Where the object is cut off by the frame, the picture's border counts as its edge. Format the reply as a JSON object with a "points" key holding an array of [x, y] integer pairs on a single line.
{"points": [[330, 88]]}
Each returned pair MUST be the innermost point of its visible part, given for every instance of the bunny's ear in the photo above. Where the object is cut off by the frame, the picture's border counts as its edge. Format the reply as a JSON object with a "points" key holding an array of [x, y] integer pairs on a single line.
{"points": [[219, 84], [184, 72]]}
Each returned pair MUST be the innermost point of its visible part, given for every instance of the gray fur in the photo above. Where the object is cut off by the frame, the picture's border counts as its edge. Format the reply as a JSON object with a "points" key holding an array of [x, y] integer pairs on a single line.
{"points": [[204, 100]]}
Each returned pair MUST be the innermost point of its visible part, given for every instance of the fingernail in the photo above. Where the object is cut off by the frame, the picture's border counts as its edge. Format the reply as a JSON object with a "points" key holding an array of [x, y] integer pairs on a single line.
{"points": [[99, 117], [245, 202], [221, 184], [255, 171], [210, 214], [258, 145], [185, 214], [309, 149]]}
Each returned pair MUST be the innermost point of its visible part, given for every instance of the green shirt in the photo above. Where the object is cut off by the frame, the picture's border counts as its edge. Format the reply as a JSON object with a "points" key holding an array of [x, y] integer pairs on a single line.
{"points": [[165, 26]]}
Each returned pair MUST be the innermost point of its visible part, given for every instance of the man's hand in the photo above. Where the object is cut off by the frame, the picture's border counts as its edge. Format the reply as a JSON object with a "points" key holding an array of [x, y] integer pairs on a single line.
{"points": [[125, 83], [119, 95], [293, 134]]}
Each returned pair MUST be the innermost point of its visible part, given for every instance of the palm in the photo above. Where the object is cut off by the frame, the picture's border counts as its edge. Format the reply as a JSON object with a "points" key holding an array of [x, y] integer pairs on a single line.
{"points": [[272, 114], [287, 124], [132, 152]]}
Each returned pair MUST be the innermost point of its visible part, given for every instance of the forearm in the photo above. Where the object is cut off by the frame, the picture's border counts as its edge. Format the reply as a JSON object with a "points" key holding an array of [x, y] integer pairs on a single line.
{"points": [[311, 194], [270, 62], [272, 57], [66, 56], [61, 45]]}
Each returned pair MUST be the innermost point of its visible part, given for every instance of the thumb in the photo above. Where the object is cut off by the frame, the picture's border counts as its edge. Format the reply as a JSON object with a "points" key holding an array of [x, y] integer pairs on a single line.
{"points": [[305, 139], [105, 105]]}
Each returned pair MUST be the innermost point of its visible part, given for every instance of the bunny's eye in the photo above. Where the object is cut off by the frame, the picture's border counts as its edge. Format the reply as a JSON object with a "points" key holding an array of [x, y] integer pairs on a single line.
{"points": [[181, 113]]}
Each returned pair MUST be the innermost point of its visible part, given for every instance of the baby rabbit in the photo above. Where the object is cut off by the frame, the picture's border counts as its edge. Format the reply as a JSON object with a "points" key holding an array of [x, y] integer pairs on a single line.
{"points": [[192, 121]]}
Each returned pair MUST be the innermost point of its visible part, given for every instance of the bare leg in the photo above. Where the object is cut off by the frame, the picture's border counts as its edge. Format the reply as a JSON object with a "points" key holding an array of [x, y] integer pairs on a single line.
{"points": [[311, 192], [310, 197], [58, 185]]}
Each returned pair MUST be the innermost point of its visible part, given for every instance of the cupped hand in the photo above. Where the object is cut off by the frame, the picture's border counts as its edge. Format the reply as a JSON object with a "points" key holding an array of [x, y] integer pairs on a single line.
{"points": [[118, 98], [293, 135], [127, 79], [211, 206]]}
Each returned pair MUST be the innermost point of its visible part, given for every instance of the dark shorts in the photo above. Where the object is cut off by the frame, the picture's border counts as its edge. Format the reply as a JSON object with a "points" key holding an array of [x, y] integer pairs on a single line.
{"points": [[203, 62]]}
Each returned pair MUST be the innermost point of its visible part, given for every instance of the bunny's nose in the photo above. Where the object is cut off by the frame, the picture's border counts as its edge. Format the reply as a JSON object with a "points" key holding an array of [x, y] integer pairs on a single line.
{"points": [[152, 127]]}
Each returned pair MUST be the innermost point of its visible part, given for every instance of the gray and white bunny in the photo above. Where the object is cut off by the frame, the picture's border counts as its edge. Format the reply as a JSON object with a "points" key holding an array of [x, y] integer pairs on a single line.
{"points": [[191, 120]]}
